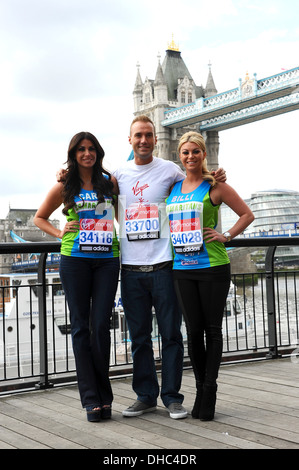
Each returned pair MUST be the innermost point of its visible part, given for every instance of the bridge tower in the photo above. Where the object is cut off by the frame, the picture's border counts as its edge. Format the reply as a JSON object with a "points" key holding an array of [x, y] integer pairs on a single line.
{"points": [[173, 87]]}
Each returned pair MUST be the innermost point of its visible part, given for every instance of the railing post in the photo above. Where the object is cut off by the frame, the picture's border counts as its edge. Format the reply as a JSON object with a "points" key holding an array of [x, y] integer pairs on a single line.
{"points": [[270, 293], [42, 311]]}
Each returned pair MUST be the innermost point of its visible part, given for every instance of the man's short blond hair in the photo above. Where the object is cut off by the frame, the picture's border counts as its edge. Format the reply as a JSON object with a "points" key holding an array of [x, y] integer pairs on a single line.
{"points": [[142, 118]]}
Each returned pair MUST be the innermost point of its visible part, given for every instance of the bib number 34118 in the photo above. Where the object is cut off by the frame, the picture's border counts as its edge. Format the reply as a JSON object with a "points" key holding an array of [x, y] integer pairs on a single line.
{"points": [[96, 235]]}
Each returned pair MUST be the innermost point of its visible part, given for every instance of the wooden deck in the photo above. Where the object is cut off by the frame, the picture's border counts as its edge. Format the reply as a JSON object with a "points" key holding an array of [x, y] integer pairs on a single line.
{"points": [[257, 408]]}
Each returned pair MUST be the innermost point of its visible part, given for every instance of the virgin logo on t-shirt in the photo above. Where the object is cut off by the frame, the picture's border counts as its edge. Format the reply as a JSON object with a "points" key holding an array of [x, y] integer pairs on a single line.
{"points": [[139, 190]]}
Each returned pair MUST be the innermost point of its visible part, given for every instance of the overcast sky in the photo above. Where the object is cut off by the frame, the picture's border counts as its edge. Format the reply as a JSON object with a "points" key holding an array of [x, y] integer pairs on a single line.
{"points": [[70, 65]]}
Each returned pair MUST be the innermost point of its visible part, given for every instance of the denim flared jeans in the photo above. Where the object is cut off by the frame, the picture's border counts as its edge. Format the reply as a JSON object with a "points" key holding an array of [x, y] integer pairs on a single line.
{"points": [[141, 291], [90, 286]]}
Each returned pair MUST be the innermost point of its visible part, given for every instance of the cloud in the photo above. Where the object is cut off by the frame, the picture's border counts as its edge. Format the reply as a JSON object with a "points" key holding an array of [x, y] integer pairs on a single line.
{"points": [[59, 78], [70, 65], [265, 53], [59, 50]]}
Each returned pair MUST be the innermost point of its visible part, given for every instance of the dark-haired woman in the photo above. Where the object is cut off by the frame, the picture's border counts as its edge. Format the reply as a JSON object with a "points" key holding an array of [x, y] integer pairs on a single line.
{"points": [[89, 265]]}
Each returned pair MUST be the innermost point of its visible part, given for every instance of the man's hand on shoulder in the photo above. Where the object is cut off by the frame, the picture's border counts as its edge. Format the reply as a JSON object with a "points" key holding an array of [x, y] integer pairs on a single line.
{"points": [[219, 175], [60, 175]]}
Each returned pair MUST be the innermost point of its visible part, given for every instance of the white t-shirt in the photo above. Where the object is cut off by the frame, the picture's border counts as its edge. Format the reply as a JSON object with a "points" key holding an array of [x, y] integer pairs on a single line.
{"points": [[143, 223]]}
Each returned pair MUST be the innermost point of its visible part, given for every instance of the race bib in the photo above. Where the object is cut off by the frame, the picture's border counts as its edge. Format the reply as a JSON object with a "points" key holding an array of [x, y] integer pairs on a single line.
{"points": [[96, 235], [186, 230], [142, 222]]}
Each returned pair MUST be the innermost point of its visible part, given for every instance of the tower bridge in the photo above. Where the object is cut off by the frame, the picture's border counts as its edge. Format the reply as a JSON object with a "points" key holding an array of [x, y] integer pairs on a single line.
{"points": [[252, 100], [176, 104]]}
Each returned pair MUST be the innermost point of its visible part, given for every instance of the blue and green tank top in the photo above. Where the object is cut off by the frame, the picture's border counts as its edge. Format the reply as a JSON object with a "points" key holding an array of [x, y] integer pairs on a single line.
{"points": [[188, 214], [96, 237]]}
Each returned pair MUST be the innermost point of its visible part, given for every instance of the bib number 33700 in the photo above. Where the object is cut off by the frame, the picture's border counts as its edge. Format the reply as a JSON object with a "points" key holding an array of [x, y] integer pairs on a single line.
{"points": [[142, 222]]}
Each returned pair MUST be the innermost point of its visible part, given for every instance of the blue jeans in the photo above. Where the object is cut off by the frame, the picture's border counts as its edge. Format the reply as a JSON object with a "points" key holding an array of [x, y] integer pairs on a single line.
{"points": [[90, 286], [140, 292]]}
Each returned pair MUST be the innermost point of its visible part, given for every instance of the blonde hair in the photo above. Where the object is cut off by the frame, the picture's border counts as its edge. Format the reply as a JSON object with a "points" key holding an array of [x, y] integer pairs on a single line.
{"points": [[198, 139], [143, 118]]}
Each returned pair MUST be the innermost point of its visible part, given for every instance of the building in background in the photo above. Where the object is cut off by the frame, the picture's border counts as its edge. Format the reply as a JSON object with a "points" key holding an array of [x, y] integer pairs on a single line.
{"points": [[18, 226], [276, 214], [173, 86], [274, 211]]}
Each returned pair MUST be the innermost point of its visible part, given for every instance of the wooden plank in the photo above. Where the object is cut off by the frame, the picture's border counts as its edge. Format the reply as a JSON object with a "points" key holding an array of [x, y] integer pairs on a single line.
{"points": [[169, 432], [203, 438], [72, 423], [107, 432], [24, 426], [279, 372], [257, 408], [254, 398], [149, 438], [189, 428], [12, 437], [6, 445]]}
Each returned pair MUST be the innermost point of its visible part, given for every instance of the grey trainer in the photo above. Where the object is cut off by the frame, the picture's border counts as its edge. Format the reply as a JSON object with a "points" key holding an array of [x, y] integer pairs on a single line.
{"points": [[138, 408], [177, 411]]}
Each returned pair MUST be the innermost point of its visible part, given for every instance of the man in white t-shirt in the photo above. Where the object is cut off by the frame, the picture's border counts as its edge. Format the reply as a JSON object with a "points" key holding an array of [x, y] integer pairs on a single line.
{"points": [[146, 279], [146, 276]]}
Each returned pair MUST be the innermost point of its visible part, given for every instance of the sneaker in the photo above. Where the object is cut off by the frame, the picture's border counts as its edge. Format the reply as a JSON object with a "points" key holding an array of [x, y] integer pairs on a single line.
{"points": [[177, 411], [138, 408]]}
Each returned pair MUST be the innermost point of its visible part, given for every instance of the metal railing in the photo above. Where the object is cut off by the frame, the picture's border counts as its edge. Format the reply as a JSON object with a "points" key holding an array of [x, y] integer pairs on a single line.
{"points": [[260, 320]]}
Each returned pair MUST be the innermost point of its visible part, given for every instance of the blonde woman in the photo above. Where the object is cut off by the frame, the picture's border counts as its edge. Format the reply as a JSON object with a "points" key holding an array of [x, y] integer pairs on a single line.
{"points": [[201, 265]]}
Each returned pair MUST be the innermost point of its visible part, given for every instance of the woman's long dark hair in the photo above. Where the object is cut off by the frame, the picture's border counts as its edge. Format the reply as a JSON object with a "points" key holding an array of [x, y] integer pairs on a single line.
{"points": [[73, 183]]}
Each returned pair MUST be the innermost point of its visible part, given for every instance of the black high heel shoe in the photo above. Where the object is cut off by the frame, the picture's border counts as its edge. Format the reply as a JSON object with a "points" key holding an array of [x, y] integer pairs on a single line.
{"points": [[208, 403], [106, 412], [93, 414], [197, 404]]}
